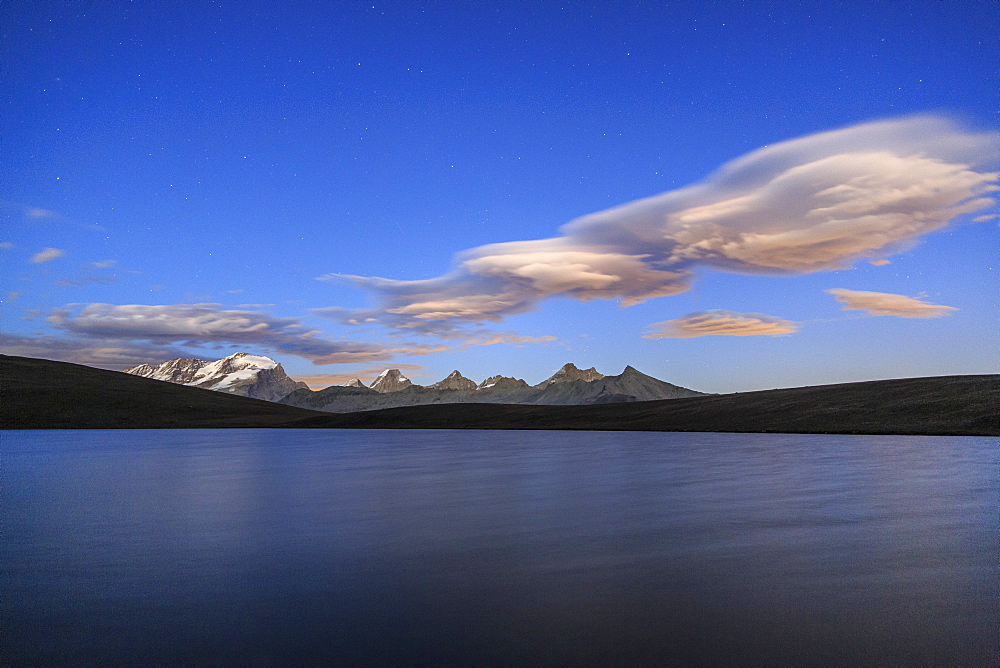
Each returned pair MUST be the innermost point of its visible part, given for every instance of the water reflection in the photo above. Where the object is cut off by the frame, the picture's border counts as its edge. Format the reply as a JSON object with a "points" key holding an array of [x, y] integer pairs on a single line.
{"points": [[498, 547]]}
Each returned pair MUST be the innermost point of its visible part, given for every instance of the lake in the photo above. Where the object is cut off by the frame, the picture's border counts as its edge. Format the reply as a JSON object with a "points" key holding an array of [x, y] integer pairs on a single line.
{"points": [[284, 547]]}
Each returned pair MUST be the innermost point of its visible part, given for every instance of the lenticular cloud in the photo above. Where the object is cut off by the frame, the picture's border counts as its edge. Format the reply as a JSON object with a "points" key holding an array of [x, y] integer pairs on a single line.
{"points": [[811, 204], [720, 322], [887, 303], [197, 324]]}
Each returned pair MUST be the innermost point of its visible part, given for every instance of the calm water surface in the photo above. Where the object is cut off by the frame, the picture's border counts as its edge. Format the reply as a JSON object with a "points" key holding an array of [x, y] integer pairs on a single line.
{"points": [[436, 547]]}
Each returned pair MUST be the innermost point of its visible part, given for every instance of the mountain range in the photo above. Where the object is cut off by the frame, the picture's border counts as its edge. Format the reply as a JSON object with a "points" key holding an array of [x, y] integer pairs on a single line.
{"points": [[43, 394], [261, 377], [567, 387]]}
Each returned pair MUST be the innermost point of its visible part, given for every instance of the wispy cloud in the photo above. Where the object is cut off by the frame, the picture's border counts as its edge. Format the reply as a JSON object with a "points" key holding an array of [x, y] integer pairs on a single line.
{"points": [[461, 336], [38, 213], [199, 324], [886, 303], [6, 245], [47, 255], [113, 354], [812, 204], [86, 280], [488, 338], [318, 381], [880, 263], [720, 322], [170, 322], [104, 264]]}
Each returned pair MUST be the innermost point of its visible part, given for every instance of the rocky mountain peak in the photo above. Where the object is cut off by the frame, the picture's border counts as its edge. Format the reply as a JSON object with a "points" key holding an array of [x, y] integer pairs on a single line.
{"points": [[569, 386], [568, 373], [390, 380], [241, 373], [502, 383], [454, 381], [353, 382], [178, 370]]}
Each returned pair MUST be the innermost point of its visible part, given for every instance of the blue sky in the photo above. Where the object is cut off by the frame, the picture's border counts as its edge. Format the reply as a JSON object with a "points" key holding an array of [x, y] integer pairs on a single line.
{"points": [[353, 186]]}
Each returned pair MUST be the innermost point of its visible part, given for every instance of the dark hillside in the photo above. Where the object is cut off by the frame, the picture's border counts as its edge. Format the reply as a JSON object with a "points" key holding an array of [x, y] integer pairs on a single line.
{"points": [[959, 405], [42, 394]]}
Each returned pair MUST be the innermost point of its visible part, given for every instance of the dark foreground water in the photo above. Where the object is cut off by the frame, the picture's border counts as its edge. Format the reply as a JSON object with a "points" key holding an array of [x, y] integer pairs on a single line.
{"points": [[430, 547]]}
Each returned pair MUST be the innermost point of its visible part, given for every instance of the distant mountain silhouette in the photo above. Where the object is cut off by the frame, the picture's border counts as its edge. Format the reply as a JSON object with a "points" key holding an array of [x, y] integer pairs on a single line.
{"points": [[568, 386]]}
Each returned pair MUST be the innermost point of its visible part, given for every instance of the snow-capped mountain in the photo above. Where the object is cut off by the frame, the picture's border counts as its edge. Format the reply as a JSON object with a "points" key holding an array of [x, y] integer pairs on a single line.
{"points": [[390, 380], [353, 382], [244, 374]]}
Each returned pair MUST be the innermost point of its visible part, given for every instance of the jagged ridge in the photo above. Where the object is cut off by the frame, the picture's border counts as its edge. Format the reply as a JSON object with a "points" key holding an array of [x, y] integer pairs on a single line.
{"points": [[261, 377], [390, 380], [568, 386], [568, 373], [454, 381]]}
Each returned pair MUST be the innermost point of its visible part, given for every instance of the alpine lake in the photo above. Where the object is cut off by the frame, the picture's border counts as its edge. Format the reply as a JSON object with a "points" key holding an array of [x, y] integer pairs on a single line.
{"points": [[368, 547]]}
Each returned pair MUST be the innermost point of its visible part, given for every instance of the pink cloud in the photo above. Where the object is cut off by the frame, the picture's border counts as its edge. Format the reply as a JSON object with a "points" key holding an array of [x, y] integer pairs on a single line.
{"points": [[720, 322], [886, 303], [821, 202]]}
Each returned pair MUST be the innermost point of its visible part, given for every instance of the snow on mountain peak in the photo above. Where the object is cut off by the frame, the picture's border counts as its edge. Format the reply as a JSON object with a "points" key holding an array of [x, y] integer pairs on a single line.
{"points": [[241, 373], [246, 360], [390, 380], [236, 368]]}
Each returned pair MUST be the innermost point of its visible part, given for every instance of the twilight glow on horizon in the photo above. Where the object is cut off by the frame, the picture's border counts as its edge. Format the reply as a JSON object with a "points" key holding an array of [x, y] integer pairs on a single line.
{"points": [[728, 197]]}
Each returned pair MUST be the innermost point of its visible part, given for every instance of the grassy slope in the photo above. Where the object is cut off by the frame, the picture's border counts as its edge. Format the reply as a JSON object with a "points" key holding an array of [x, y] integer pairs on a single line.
{"points": [[41, 394], [962, 405]]}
